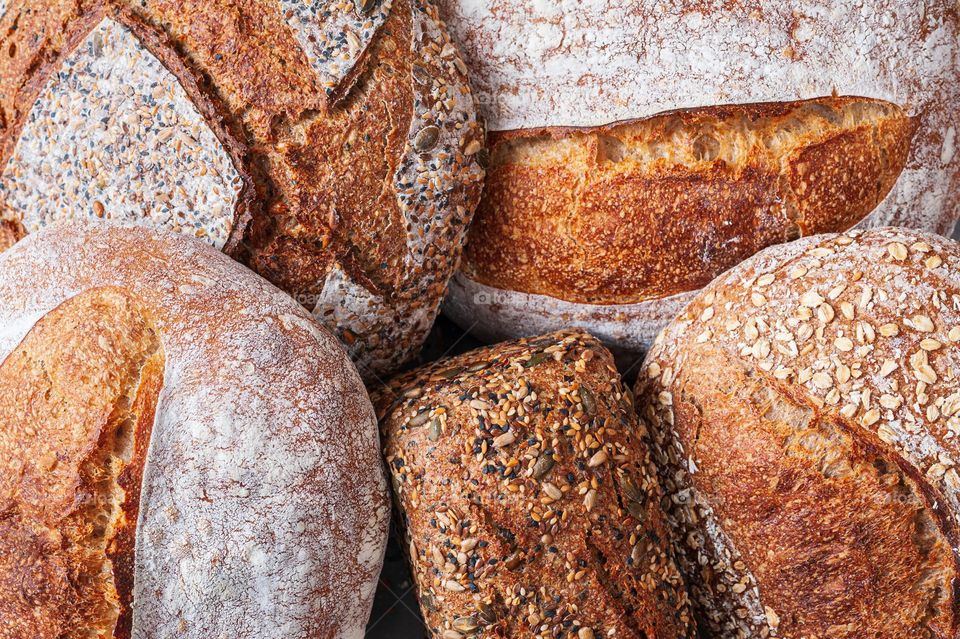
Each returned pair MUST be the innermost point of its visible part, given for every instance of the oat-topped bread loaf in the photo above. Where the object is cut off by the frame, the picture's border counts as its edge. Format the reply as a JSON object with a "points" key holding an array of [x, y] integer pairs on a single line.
{"points": [[184, 452], [525, 489], [328, 144], [641, 148], [806, 412]]}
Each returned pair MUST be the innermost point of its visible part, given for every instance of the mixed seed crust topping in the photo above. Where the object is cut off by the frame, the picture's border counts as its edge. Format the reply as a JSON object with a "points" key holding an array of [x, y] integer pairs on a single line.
{"points": [[114, 135], [859, 330], [528, 498]]}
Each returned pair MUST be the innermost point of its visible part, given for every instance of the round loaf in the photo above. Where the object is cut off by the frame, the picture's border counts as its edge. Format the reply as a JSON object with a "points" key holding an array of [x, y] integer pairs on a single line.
{"points": [[527, 496], [639, 149], [328, 145], [184, 452], [805, 409]]}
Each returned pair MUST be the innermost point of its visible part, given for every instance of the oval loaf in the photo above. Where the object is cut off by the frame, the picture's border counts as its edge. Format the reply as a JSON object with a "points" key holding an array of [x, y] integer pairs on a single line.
{"points": [[640, 149], [805, 409], [184, 452], [527, 496]]}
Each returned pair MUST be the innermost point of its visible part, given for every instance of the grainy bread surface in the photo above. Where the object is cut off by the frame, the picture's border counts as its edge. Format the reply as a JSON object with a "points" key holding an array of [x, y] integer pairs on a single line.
{"points": [[328, 145], [805, 409], [185, 452], [525, 489]]}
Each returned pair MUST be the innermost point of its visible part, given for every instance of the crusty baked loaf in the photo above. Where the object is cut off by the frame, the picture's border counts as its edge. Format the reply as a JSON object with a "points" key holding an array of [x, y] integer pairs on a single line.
{"points": [[527, 496], [805, 409], [329, 145], [639, 149], [184, 452]]}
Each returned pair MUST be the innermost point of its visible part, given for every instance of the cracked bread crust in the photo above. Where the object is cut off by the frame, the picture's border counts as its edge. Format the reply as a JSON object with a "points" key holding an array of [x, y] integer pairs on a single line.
{"points": [[186, 452], [350, 125], [804, 412], [715, 185], [527, 496], [78, 404]]}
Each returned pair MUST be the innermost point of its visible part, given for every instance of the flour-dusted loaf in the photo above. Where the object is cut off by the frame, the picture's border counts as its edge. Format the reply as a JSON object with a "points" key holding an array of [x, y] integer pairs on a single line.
{"points": [[330, 145], [184, 452], [805, 410], [526, 492], [639, 149]]}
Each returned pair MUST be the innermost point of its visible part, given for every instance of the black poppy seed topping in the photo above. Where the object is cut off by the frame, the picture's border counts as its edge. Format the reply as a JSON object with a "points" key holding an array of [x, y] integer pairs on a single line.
{"points": [[114, 135]]}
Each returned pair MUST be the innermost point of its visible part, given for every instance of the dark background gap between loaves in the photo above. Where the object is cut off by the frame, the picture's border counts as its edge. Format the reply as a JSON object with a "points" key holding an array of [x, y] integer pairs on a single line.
{"points": [[396, 612]]}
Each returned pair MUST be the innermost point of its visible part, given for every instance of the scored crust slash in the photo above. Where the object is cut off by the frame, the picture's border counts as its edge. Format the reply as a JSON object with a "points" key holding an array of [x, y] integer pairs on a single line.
{"points": [[664, 145]]}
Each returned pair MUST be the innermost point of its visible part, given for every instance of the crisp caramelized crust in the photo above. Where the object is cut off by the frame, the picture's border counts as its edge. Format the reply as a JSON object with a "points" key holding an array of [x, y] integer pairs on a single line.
{"points": [[77, 403], [805, 409], [527, 495], [648, 209]]}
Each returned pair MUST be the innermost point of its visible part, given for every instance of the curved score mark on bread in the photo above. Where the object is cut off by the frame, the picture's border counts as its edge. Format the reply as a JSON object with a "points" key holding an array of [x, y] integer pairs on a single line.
{"points": [[114, 134], [77, 400], [707, 188]]}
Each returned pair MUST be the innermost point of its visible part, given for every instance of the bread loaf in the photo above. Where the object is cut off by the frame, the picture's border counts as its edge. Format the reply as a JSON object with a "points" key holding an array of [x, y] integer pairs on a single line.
{"points": [[527, 496], [328, 145], [639, 149], [805, 410], [184, 452]]}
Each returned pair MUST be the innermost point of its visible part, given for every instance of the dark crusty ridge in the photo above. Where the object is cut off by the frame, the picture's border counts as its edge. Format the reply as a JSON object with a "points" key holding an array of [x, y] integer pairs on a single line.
{"points": [[527, 496], [77, 404], [805, 409], [650, 208]]}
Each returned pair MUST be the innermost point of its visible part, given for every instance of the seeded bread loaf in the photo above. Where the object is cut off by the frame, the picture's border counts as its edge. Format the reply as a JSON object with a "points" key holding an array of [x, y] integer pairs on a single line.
{"points": [[805, 409], [525, 489], [639, 149], [184, 451], [329, 145]]}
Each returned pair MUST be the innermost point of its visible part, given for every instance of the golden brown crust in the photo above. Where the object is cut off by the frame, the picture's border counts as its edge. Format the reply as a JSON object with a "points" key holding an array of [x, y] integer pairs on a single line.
{"points": [[336, 168], [804, 409], [527, 496], [602, 215], [77, 411]]}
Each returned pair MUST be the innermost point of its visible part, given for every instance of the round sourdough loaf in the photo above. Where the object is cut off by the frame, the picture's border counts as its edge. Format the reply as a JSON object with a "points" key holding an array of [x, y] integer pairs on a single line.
{"points": [[805, 410], [328, 145], [184, 452], [639, 149], [528, 498]]}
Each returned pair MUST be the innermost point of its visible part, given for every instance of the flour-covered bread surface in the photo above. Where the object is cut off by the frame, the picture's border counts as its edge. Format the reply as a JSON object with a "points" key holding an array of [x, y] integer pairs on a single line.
{"points": [[331, 145], [640, 149], [184, 451], [526, 491], [805, 409]]}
